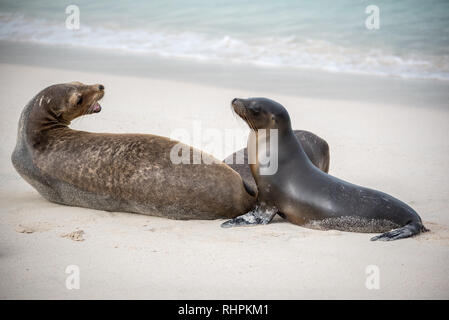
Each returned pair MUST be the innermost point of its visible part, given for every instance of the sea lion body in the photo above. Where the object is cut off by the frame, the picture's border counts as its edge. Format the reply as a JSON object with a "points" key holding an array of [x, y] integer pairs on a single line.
{"points": [[307, 196], [316, 149], [117, 172]]}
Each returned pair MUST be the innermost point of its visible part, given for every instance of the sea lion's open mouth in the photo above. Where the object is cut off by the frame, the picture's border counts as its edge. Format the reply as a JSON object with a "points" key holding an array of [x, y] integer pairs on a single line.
{"points": [[95, 108]]}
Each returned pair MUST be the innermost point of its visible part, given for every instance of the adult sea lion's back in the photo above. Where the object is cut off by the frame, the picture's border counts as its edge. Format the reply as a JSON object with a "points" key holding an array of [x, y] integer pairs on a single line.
{"points": [[117, 172]]}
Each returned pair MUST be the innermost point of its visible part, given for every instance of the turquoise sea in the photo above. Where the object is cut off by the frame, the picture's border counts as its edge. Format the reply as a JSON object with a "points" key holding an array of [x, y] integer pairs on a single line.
{"points": [[412, 41]]}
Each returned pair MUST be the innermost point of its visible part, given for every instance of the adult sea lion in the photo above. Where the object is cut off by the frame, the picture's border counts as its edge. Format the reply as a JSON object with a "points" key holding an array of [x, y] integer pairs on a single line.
{"points": [[117, 172], [306, 195], [316, 148]]}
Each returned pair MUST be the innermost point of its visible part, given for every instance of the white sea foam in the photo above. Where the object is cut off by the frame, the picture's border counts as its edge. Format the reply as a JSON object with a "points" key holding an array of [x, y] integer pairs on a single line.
{"points": [[280, 51]]}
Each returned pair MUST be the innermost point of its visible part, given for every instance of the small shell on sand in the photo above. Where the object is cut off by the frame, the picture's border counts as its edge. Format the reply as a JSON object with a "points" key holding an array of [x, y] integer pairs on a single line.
{"points": [[75, 235]]}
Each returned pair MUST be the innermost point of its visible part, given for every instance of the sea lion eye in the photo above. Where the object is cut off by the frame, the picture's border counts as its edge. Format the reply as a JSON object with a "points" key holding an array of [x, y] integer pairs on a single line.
{"points": [[80, 100]]}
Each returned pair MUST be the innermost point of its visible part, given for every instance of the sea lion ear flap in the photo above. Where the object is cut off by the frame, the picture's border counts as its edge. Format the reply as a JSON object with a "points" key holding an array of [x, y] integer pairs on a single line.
{"points": [[56, 111]]}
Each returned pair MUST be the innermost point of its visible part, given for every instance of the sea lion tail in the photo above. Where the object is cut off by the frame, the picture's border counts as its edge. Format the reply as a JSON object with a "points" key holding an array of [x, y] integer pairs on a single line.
{"points": [[409, 230]]}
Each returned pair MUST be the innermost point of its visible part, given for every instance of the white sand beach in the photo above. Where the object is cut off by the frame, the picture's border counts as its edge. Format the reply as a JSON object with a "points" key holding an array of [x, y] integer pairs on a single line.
{"points": [[399, 149]]}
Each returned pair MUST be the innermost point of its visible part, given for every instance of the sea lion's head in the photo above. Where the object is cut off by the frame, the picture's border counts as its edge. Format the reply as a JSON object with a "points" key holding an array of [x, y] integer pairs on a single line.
{"points": [[262, 113], [68, 101]]}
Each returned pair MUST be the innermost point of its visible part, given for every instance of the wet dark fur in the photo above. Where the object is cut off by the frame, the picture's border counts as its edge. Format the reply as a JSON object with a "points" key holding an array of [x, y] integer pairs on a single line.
{"points": [[352, 224], [316, 148], [307, 196]]}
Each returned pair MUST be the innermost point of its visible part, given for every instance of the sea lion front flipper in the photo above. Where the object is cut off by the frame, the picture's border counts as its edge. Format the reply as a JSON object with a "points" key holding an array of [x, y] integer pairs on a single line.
{"points": [[259, 215]]}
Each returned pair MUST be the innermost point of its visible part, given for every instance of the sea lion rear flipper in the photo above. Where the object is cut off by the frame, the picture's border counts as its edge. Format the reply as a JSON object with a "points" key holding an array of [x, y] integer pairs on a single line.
{"points": [[406, 231], [259, 215]]}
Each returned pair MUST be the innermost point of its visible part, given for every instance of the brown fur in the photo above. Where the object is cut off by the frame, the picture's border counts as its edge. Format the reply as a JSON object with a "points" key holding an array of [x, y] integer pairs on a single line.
{"points": [[117, 172]]}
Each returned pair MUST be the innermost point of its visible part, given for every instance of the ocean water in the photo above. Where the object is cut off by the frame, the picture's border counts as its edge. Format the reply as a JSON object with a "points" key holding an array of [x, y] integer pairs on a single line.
{"points": [[412, 40]]}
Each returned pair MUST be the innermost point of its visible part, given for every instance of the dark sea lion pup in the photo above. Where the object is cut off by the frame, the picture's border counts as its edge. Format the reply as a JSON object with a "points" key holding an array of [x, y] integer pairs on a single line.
{"points": [[316, 148], [306, 195], [117, 172]]}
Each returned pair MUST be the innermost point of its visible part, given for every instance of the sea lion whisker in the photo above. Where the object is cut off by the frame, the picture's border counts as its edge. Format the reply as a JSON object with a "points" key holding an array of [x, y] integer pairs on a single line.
{"points": [[252, 125], [245, 118], [247, 121]]}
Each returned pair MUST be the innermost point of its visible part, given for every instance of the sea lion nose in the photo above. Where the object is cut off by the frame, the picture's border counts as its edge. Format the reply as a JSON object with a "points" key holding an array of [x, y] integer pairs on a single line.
{"points": [[101, 87], [234, 100]]}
